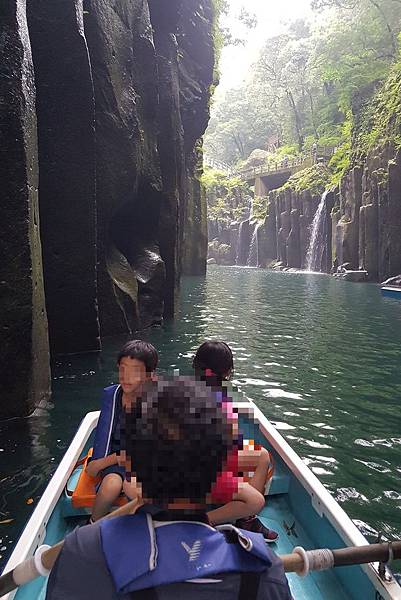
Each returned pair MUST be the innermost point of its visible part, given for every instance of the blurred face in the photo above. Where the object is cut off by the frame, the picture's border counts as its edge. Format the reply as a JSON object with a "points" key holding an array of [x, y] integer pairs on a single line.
{"points": [[132, 375]]}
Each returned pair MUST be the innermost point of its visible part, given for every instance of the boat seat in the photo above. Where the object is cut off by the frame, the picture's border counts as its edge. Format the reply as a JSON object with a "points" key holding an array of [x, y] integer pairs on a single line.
{"points": [[280, 483]]}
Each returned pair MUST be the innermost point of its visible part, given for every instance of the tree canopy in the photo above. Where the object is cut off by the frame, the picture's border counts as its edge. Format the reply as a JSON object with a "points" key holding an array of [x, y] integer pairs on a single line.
{"points": [[303, 86]]}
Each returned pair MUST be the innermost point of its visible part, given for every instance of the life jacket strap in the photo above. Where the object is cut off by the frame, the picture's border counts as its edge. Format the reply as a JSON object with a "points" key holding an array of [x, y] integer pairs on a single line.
{"points": [[249, 586], [148, 594]]}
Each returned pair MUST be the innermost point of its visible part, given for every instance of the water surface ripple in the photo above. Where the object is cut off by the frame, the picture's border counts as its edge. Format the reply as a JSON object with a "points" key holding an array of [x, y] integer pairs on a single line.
{"points": [[320, 357]]}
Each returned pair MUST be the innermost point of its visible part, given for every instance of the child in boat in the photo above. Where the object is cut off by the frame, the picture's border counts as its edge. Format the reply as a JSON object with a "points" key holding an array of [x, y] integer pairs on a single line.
{"points": [[168, 549], [214, 363], [137, 363]]}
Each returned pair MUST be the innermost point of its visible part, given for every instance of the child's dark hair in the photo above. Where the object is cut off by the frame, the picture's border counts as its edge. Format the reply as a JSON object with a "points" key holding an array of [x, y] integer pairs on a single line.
{"points": [[142, 351], [216, 357], [177, 437]]}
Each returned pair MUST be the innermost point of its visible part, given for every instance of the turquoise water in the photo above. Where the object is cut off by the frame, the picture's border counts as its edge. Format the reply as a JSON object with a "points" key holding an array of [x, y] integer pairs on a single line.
{"points": [[320, 357]]}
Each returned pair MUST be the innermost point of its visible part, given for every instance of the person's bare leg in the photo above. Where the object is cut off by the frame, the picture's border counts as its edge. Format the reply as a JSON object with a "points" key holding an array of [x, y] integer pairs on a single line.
{"points": [[131, 489], [259, 462], [109, 491]]}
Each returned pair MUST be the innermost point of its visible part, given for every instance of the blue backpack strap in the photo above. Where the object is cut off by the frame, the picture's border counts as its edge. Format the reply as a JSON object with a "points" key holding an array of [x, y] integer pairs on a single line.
{"points": [[106, 421]]}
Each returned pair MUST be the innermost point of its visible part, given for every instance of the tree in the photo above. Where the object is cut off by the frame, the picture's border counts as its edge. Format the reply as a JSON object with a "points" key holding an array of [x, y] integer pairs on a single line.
{"points": [[305, 80]]}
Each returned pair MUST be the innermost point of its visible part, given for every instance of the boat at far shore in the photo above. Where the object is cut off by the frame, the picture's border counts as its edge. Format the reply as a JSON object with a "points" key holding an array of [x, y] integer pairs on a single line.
{"points": [[297, 506], [391, 291], [391, 288]]}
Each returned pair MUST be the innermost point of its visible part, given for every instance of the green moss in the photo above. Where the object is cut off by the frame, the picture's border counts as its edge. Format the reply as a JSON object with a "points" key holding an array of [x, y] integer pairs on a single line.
{"points": [[259, 208], [377, 120], [219, 6], [315, 179], [227, 197]]}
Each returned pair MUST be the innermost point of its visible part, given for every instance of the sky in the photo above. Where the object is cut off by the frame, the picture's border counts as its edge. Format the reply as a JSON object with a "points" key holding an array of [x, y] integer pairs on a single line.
{"points": [[272, 14]]}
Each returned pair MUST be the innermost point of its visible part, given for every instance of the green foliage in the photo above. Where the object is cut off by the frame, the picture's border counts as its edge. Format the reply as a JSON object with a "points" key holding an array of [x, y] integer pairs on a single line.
{"points": [[259, 208], [219, 7], [340, 161], [335, 83], [379, 119], [227, 197], [315, 179], [305, 82]]}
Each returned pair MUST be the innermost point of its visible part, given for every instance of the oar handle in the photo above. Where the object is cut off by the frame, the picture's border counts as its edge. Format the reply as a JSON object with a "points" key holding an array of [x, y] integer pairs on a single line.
{"points": [[28, 571], [301, 561]]}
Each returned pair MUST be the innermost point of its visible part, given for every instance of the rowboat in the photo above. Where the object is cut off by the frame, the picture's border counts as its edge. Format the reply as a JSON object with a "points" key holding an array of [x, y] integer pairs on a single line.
{"points": [[391, 291], [297, 506]]}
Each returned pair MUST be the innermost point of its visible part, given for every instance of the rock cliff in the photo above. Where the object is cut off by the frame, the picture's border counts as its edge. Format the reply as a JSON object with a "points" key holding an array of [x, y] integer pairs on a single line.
{"points": [[367, 216], [103, 103]]}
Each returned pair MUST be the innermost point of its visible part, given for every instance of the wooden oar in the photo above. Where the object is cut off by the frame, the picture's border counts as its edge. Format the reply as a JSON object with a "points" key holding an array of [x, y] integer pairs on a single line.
{"points": [[300, 561], [27, 571]]}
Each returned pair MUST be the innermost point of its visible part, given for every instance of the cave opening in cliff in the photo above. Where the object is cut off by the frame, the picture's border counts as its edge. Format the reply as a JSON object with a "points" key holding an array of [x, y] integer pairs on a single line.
{"points": [[133, 259]]}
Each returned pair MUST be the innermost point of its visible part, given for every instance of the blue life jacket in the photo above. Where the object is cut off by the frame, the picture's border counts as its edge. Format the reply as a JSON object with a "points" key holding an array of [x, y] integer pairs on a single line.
{"points": [[107, 419], [141, 553]]}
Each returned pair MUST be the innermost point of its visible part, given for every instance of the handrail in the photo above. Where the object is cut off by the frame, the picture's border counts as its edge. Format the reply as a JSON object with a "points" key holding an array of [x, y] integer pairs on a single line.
{"points": [[287, 164], [317, 155]]}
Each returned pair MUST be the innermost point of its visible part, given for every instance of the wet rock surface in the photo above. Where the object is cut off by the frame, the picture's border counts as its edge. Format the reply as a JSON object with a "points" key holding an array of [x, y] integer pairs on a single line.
{"points": [[24, 365], [66, 139], [367, 217], [122, 99]]}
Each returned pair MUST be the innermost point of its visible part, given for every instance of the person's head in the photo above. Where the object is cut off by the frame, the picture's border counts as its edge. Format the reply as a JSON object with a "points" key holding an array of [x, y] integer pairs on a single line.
{"points": [[136, 362], [213, 359], [175, 440]]}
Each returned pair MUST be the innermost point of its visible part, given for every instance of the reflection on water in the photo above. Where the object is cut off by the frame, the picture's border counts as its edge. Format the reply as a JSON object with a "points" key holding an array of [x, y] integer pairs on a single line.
{"points": [[320, 357]]}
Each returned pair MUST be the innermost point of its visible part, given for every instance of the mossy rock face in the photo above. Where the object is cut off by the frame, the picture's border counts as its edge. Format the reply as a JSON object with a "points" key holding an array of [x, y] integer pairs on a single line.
{"points": [[220, 254], [315, 179]]}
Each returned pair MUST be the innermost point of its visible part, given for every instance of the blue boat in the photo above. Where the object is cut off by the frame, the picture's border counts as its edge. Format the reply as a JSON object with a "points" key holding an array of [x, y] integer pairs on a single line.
{"points": [[391, 291], [297, 506]]}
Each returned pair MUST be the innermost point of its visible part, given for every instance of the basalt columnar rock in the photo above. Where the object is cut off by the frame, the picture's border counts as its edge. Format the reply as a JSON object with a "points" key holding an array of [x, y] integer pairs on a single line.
{"points": [[122, 100], [367, 216], [66, 137], [24, 364]]}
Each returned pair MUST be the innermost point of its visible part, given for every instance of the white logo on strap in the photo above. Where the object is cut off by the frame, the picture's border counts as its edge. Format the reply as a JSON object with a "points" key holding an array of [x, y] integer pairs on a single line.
{"points": [[193, 552]]}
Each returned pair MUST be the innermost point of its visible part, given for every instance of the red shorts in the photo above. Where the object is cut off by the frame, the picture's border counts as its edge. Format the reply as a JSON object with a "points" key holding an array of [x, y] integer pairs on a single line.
{"points": [[227, 482]]}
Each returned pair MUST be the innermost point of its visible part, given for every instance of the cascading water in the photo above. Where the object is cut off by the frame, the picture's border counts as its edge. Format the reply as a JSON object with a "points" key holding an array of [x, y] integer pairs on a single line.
{"points": [[317, 241], [239, 257], [253, 258]]}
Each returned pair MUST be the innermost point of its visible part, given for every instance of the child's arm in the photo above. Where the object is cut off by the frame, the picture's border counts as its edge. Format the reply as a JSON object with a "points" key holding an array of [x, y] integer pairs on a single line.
{"points": [[248, 501], [97, 465]]}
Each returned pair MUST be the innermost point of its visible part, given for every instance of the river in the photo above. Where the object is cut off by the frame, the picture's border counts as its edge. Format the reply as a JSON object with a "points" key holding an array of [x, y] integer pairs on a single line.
{"points": [[320, 357]]}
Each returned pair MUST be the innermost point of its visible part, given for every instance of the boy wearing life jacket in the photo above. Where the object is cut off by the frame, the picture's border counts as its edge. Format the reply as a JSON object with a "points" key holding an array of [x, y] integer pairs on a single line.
{"points": [[137, 363], [175, 440], [214, 364]]}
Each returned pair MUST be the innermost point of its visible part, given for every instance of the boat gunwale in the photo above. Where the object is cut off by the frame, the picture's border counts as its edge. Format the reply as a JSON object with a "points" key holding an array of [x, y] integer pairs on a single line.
{"points": [[321, 499], [34, 531]]}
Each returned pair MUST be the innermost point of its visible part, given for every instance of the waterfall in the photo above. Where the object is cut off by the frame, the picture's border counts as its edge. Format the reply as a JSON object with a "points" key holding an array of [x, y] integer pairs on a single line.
{"points": [[317, 241], [253, 258], [238, 257], [243, 243]]}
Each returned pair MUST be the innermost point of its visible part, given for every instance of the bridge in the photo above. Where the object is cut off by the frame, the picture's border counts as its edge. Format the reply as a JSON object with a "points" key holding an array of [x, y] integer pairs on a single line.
{"points": [[273, 175]]}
